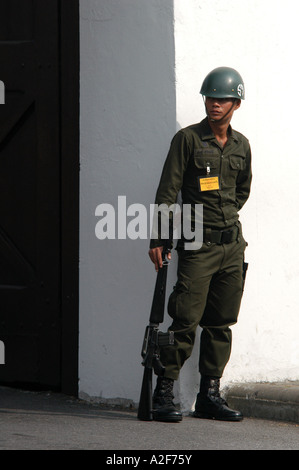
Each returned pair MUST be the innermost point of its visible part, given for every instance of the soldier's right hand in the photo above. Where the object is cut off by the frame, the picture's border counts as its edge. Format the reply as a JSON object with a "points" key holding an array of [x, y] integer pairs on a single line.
{"points": [[155, 255]]}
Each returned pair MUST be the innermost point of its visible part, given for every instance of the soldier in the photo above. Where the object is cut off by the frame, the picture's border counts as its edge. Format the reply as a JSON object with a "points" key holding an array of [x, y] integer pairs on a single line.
{"points": [[210, 163]]}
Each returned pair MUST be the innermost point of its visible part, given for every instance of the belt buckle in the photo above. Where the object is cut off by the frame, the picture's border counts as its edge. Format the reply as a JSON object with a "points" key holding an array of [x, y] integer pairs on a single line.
{"points": [[226, 236]]}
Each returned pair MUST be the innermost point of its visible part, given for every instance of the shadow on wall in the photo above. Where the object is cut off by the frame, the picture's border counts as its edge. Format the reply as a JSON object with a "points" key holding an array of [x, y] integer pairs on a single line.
{"points": [[128, 117]]}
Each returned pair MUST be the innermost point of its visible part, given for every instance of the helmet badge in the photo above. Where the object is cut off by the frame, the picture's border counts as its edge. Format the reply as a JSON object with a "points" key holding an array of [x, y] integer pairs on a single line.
{"points": [[240, 89]]}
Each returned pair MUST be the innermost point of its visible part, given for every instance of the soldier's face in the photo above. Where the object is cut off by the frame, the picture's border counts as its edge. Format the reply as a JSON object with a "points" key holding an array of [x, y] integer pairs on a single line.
{"points": [[220, 108]]}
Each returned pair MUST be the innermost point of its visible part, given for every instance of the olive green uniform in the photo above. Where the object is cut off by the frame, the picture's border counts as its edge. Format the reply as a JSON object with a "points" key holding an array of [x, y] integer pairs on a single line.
{"points": [[209, 288]]}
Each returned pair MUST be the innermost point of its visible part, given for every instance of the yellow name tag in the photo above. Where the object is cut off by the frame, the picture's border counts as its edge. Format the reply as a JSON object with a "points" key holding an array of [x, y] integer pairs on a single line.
{"points": [[208, 183]]}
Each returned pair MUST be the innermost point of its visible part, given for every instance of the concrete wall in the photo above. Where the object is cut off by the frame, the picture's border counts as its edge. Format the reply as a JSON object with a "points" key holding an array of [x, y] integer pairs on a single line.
{"points": [[127, 119], [140, 82]]}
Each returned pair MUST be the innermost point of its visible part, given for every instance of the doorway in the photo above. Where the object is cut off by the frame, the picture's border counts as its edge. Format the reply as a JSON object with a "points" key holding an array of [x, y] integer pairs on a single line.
{"points": [[39, 192]]}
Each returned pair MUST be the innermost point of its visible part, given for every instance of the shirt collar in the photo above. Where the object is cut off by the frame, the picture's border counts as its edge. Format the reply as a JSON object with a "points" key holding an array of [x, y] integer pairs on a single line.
{"points": [[207, 133]]}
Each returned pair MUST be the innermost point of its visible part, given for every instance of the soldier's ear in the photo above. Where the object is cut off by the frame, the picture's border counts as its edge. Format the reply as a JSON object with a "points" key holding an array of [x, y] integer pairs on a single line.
{"points": [[237, 103]]}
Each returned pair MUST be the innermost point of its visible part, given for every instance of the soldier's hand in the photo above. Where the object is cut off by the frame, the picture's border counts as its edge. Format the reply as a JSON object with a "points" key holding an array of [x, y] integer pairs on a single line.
{"points": [[155, 255]]}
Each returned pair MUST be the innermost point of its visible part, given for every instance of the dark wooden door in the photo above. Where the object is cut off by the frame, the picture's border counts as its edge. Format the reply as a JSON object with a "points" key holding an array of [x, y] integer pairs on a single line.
{"points": [[31, 193]]}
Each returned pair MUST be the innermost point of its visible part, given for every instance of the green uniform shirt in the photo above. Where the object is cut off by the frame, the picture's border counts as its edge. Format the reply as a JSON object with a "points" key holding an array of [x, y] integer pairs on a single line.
{"points": [[194, 155]]}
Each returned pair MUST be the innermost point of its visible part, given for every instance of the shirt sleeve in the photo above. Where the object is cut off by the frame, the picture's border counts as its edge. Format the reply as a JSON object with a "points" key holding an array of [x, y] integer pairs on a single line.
{"points": [[244, 181], [171, 179]]}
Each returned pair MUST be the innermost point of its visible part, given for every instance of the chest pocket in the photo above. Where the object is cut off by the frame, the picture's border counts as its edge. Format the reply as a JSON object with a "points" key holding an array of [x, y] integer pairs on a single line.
{"points": [[236, 164], [205, 160]]}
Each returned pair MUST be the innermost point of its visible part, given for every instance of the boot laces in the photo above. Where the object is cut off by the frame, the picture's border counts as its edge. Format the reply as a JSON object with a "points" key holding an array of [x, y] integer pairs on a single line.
{"points": [[165, 391]]}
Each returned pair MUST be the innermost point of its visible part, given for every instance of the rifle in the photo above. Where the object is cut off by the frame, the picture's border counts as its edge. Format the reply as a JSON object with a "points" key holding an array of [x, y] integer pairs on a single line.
{"points": [[153, 339]]}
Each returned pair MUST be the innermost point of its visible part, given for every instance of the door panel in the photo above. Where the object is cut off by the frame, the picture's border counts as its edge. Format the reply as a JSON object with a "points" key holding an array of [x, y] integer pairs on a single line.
{"points": [[30, 193]]}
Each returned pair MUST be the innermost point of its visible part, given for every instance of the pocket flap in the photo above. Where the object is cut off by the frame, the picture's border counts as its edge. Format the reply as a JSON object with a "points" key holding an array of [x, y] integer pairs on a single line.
{"points": [[237, 162]]}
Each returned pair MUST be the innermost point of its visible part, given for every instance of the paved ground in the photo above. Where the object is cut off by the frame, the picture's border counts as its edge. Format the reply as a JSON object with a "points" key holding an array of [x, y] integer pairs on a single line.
{"points": [[49, 421]]}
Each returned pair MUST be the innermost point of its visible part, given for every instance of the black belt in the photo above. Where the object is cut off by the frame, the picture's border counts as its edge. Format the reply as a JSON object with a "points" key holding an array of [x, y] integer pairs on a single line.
{"points": [[221, 236]]}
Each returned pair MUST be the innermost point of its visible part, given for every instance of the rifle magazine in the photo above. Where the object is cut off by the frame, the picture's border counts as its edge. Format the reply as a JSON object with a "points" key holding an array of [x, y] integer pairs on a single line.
{"points": [[165, 339]]}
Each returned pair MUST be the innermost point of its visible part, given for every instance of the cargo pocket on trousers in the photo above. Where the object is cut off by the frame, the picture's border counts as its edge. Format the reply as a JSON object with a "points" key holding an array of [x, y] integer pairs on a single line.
{"points": [[179, 300]]}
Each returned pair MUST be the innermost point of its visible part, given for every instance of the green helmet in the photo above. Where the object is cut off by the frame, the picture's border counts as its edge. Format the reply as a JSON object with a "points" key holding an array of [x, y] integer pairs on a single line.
{"points": [[223, 82]]}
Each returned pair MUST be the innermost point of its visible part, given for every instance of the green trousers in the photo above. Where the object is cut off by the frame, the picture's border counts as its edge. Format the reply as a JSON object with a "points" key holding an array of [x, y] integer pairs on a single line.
{"points": [[208, 294]]}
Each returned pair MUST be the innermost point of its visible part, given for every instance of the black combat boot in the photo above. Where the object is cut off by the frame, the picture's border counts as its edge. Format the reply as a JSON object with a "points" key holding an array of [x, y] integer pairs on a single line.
{"points": [[163, 407], [210, 405]]}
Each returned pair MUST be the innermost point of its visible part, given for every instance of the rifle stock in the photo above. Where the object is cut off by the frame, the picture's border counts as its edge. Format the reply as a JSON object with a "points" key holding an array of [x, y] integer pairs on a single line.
{"points": [[152, 341]]}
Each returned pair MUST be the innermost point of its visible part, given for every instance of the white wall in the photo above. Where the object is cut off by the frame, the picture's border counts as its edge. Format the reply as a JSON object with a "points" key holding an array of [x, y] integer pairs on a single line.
{"points": [[131, 106], [258, 38]]}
